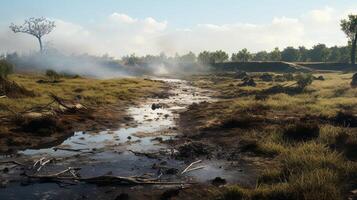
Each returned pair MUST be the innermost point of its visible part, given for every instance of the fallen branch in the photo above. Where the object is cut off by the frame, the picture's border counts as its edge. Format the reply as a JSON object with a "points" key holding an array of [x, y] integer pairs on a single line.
{"points": [[190, 165], [4, 96], [102, 180], [196, 168], [13, 162], [72, 107]]}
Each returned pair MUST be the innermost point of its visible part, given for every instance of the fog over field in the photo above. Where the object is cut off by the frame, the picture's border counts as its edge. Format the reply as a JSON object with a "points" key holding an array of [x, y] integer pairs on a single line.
{"points": [[119, 34]]}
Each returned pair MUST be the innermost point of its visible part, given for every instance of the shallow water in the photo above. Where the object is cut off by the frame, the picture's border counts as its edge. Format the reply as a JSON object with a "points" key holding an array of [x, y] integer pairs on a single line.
{"points": [[109, 151]]}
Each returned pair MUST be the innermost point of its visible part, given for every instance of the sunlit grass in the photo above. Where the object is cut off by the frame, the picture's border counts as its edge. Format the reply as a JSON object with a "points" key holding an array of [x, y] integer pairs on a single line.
{"points": [[91, 92]]}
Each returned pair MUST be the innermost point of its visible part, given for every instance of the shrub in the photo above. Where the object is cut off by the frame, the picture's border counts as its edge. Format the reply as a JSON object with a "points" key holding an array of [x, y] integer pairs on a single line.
{"points": [[6, 68], [304, 80], [53, 75]]}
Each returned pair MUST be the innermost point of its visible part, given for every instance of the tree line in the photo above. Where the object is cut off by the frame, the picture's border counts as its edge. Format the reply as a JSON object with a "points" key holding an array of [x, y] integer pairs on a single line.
{"points": [[318, 53]]}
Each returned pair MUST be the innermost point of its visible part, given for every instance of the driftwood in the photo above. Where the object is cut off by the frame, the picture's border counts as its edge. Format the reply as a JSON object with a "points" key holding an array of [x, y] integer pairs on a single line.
{"points": [[101, 180], [67, 106], [41, 163], [188, 168]]}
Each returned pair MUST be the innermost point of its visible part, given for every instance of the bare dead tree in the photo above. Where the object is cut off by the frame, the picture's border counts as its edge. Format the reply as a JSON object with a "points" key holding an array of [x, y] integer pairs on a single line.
{"points": [[37, 27]]}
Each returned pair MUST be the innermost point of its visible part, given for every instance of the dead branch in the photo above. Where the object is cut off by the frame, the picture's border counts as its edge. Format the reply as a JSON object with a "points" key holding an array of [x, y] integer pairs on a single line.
{"points": [[196, 168], [72, 107], [102, 180], [4, 96], [13, 162], [190, 165]]}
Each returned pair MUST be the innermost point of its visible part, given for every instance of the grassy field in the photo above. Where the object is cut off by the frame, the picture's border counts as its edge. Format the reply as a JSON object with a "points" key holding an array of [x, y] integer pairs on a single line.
{"points": [[88, 91], [311, 146], [28, 123]]}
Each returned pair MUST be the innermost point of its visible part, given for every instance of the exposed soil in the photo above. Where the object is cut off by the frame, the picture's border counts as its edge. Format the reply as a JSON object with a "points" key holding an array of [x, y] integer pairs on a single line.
{"points": [[142, 140]]}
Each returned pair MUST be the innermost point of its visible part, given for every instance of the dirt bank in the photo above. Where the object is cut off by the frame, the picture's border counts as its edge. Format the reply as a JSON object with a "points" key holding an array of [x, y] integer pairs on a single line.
{"points": [[106, 102]]}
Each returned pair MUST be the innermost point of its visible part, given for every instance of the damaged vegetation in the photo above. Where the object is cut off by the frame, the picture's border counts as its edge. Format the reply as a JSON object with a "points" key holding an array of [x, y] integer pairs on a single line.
{"points": [[303, 126], [34, 113]]}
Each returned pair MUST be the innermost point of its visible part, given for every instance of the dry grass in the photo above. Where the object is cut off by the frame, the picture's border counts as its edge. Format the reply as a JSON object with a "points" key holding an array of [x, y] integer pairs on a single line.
{"points": [[91, 92], [321, 165]]}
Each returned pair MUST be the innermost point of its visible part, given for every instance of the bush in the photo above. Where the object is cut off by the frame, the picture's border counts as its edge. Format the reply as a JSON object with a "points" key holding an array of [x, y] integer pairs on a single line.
{"points": [[304, 80], [6, 68], [53, 75]]}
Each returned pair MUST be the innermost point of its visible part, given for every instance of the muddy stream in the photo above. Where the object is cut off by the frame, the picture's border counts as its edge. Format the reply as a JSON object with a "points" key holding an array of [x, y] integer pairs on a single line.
{"points": [[119, 153]]}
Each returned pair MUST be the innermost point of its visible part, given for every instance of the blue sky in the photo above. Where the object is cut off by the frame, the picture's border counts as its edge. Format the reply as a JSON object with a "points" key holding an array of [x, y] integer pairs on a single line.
{"points": [[180, 13], [87, 15]]}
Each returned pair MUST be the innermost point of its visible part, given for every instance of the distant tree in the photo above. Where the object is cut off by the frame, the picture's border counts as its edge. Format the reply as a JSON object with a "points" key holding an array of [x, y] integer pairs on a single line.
{"points": [[334, 55], [242, 56], [37, 27], [204, 57], [131, 60], [275, 55], [349, 26], [303, 54], [187, 58], [219, 56], [290, 54], [344, 54], [261, 56], [6, 68], [319, 53]]}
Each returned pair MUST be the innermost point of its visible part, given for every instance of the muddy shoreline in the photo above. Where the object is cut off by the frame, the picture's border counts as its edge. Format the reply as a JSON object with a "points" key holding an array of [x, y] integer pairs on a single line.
{"points": [[148, 141], [95, 119]]}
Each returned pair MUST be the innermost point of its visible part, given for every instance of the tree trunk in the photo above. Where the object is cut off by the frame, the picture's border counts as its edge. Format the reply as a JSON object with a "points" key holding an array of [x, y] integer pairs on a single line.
{"points": [[41, 46], [353, 50]]}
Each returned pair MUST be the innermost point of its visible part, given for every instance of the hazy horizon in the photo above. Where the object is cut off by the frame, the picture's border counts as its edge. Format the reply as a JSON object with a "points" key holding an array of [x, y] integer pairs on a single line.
{"points": [[126, 27]]}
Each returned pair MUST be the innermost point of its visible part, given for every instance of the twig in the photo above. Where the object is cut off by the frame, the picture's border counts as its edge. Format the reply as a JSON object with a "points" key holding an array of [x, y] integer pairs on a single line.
{"points": [[196, 168], [185, 170]]}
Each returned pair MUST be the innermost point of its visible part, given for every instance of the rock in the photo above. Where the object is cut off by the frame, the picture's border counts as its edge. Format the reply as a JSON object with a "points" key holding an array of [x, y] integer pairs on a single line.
{"points": [[354, 80], [122, 196], [248, 82], [218, 181], [155, 106]]}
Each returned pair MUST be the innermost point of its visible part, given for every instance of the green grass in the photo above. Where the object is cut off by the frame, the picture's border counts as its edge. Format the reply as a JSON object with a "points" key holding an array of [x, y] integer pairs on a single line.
{"points": [[319, 168], [92, 92]]}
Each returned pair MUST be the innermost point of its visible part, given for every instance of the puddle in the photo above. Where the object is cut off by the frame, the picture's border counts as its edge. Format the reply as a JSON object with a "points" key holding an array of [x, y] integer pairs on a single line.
{"points": [[111, 151]]}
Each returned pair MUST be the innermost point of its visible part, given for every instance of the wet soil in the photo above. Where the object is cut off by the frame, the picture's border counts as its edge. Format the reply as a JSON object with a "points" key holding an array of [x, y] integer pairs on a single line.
{"points": [[147, 141]]}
